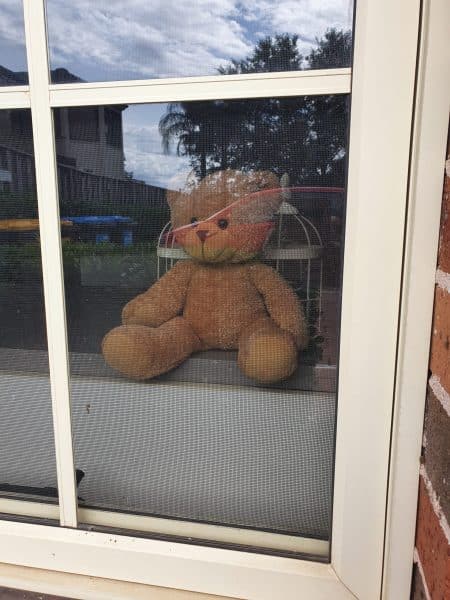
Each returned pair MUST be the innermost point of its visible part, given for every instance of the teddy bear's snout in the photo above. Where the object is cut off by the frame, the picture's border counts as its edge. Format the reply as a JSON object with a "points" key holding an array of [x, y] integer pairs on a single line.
{"points": [[202, 234]]}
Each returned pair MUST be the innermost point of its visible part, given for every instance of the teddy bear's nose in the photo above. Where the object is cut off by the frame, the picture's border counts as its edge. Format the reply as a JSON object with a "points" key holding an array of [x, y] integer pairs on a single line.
{"points": [[202, 234]]}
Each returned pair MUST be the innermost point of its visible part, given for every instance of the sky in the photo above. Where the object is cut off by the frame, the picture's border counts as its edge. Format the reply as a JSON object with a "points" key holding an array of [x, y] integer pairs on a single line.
{"points": [[104, 40]]}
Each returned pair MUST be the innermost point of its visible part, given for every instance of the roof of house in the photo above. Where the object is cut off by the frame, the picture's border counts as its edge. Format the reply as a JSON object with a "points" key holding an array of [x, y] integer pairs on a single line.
{"points": [[8, 77]]}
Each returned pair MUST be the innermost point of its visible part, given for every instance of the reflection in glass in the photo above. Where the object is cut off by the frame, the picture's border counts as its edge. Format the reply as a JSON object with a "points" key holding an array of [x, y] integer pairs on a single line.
{"points": [[203, 441], [182, 39], [27, 456], [13, 58]]}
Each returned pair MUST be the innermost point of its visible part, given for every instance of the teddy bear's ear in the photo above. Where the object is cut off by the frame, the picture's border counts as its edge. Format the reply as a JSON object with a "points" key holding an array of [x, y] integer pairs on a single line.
{"points": [[173, 198], [258, 207]]}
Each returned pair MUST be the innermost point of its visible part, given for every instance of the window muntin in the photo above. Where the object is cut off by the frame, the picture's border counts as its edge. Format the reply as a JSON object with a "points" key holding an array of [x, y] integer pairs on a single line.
{"points": [[182, 39]]}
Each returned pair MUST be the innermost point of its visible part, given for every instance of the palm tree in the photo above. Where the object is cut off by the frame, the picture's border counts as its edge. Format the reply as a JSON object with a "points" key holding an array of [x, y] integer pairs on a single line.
{"points": [[187, 130]]}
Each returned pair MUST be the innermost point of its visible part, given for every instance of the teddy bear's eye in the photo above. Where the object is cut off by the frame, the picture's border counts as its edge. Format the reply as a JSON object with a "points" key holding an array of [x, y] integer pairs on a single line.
{"points": [[222, 223], [194, 220]]}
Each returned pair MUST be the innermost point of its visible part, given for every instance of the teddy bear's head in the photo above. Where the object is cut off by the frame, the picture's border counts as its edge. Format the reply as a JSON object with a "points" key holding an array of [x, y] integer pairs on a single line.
{"points": [[226, 217]]}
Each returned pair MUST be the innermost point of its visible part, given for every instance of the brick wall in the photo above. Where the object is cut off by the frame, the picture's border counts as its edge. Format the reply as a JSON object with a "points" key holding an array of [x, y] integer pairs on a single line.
{"points": [[431, 578]]}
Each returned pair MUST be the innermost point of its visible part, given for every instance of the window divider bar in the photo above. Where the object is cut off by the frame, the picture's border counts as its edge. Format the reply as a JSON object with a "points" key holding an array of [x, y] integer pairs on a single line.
{"points": [[52, 266], [261, 85], [14, 97]]}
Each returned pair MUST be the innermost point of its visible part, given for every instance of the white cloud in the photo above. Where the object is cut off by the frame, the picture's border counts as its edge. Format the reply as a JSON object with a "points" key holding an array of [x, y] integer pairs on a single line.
{"points": [[145, 39], [165, 38], [309, 19], [12, 36], [11, 23], [144, 157]]}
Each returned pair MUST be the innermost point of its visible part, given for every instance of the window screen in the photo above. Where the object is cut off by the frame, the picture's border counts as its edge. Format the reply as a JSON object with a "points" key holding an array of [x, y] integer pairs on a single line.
{"points": [[100, 41], [27, 455], [13, 59], [212, 396]]}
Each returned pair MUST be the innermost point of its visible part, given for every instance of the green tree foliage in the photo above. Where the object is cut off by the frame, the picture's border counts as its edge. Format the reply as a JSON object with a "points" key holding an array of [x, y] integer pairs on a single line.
{"points": [[279, 53], [333, 51], [305, 137]]}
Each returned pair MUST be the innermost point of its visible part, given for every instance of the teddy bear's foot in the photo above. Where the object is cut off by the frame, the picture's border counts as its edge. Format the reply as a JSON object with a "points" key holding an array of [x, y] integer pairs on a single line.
{"points": [[267, 353], [142, 352]]}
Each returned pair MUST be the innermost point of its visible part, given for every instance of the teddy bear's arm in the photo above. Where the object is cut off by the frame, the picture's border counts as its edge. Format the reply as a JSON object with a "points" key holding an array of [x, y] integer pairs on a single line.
{"points": [[281, 302], [163, 300]]}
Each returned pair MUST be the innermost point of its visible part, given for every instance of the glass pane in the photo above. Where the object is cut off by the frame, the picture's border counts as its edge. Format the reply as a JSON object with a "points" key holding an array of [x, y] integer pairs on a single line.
{"points": [[103, 41], [27, 454], [215, 400], [13, 56]]}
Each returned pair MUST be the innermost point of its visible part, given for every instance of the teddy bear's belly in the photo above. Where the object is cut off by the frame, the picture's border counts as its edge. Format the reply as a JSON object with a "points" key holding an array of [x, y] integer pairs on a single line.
{"points": [[220, 303]]}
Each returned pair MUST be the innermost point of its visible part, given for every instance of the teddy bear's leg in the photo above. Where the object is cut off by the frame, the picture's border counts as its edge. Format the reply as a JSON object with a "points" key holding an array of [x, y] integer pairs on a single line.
{"points": [[143, 352], [266, 352]]}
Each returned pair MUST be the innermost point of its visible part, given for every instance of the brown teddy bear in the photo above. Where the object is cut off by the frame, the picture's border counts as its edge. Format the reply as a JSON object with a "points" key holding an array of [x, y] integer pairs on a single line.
{"points": [[222, 298]]}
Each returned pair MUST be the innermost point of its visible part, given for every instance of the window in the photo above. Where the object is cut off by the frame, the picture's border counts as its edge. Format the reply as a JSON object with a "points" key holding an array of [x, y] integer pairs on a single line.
{"points": [[27, 455], [273, 464], [84, 125], [201, 467], [113, 123], [192, 39], [13, 69]]}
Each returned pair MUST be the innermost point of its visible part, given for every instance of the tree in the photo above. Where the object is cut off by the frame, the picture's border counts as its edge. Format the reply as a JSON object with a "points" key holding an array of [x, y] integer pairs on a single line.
{"points": [[333, 51], [279, 53], [305, 137]]}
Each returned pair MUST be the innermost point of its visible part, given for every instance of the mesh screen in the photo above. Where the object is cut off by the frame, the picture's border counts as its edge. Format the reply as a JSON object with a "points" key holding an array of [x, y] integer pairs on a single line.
{"points": [[225, 220], [260, 459], [27, 455], [13, 59], [182, 39]]}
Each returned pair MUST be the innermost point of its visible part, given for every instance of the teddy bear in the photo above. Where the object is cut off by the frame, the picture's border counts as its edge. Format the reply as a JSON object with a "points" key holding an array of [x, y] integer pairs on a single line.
{"points": [[221, 297]]}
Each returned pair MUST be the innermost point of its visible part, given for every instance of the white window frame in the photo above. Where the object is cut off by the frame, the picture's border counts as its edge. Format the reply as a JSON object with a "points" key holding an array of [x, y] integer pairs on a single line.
{"points": [[385, 93]]}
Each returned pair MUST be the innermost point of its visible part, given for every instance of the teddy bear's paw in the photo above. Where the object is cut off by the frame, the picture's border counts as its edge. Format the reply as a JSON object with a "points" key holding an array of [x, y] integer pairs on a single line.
{"points": [[268, 357], [142, 352], [127, 350]]}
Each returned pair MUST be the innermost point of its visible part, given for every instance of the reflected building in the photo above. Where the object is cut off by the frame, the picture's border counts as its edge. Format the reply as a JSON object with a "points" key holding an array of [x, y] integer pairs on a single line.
{"points": [[89, 147]]}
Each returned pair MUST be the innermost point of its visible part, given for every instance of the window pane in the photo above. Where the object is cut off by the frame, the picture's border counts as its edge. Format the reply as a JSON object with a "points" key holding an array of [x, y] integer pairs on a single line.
{"points": [[13, 57], [101, 41], [27, 455], [204, 410]]}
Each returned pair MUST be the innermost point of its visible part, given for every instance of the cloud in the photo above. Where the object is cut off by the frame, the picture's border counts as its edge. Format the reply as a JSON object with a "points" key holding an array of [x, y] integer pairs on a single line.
{"points": [[12, 36], [310, 19], [144, 157], [145, 39], [111, 39], [11, 24]]}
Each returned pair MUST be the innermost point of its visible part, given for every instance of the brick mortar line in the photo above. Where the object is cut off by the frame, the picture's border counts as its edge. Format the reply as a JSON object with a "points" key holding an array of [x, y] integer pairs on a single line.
{"points": [[435, 503], [416, 559], [440, 392], [443, 280]]}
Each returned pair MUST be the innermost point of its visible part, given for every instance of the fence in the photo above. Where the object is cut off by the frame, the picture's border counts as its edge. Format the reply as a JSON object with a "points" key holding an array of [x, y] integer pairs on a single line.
{"points": [[79, 187]]}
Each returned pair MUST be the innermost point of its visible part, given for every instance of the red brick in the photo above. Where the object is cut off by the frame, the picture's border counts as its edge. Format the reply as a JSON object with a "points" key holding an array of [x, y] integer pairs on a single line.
{"points": [[437, 450], [440, 342], [433, 548], [444, 244]]}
